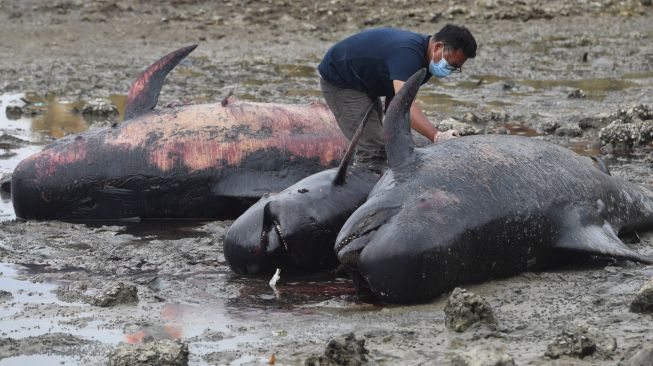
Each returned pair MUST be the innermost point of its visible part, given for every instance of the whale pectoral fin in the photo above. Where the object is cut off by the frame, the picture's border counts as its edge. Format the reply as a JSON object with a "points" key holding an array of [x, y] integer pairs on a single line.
{"points": [[144, 92], [598, 240]]}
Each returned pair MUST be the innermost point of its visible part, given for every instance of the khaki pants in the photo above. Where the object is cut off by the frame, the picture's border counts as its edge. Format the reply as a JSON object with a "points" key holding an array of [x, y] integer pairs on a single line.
{"points": [[349, 106]]}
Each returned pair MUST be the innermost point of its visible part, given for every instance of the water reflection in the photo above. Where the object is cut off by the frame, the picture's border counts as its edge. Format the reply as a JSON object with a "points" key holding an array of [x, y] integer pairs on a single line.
{"points": [[59, 119]]}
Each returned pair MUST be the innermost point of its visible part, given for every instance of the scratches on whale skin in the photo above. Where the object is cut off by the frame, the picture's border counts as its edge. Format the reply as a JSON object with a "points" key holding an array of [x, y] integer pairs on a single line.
{"points": [[211, 136], [48, 161]]}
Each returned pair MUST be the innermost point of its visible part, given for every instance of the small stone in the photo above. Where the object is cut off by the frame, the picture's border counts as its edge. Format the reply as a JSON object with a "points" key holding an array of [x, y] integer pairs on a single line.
{"points": [[5, 296], [581, 342], [457, 10], [465, 309], [117, 294], [465, 129], [500, 116], [163, 353], [341, 351], [570, 130], [5, 182], [643, 302], [14, 111], [99, 108], [508, 85], [8, 142], [483, 356], [571, 344], [577, 94], [549, 127], [470, 117]]}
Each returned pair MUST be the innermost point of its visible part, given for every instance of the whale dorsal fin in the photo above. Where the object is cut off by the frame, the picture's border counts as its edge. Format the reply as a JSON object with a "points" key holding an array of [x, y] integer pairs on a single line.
{"points": [[396, 129], [144, 92], [346, 159]]}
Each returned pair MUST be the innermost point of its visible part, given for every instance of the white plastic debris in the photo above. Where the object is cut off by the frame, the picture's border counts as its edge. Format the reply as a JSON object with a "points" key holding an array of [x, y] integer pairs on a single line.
{"points": [[273, 281]]}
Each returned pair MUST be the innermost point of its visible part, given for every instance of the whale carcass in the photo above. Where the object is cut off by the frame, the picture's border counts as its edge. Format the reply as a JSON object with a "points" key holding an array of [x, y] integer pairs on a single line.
{"points": [[481, 207], [198, 161], [296, 228]]}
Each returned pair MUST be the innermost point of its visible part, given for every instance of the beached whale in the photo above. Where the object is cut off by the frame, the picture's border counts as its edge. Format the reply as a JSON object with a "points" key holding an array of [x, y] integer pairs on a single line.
{"points": [[197, 161], [480, 207], [296, 228]]}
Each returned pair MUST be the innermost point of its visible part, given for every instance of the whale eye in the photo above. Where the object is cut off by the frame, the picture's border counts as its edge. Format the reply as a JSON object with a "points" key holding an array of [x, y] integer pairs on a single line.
{"points": [[302, 190]]}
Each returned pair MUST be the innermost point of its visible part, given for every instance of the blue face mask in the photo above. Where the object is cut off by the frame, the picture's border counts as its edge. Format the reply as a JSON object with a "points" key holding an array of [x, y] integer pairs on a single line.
{"points": [[442, 69]]}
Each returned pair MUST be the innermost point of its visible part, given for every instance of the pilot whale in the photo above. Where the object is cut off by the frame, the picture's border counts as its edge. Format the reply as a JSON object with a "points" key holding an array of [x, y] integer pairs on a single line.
{"points": [[296, 228], [187, 162], [480, 207]]}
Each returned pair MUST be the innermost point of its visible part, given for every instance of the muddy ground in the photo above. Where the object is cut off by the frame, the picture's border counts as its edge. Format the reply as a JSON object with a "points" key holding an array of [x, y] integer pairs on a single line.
{"points": [[532, 56]]}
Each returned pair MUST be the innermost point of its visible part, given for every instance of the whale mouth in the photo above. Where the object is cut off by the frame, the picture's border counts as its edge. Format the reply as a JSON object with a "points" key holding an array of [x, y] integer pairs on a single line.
{"points": [[350, 248], [279, 232], [272, 239]]}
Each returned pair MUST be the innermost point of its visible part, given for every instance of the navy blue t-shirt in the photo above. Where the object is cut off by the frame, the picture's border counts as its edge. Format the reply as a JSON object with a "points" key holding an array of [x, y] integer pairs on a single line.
{"points": [[369, 61]]}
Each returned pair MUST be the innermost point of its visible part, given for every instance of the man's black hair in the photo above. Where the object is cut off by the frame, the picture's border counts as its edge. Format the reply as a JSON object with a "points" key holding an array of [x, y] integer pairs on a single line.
{"points": [[457, 38]]}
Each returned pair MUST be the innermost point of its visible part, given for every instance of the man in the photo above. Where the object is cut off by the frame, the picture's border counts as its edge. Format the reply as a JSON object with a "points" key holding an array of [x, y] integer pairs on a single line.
{"points": [[358, 70]]}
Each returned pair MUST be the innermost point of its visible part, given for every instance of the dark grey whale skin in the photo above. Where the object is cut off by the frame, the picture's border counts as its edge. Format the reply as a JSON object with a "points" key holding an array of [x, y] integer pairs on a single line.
{"points": [[295, 229], [481, 207]]}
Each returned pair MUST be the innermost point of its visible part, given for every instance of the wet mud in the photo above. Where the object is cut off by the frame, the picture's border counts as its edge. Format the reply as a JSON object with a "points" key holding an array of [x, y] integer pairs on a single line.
{"points": [[549, 70]]}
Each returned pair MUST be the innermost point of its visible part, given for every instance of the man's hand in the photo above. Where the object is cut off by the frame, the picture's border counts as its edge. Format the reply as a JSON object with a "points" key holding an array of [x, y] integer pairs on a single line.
{"points": [[445, 135]]}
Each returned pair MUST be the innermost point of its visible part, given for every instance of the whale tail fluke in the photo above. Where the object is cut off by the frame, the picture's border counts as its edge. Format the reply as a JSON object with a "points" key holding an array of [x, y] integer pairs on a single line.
{"points": [[144, 92]]}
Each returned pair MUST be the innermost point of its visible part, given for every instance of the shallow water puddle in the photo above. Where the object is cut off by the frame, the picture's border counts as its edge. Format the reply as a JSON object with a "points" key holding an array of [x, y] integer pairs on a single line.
{"points": [[25, 291], [520, 130], [595, 89]]}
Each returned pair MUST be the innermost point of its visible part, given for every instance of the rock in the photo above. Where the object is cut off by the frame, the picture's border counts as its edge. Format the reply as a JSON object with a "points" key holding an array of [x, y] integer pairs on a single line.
{"points": [[341, 351], [619, 135], [14, 111], [8, 142], [483, 356], [464, 128], [457, 10], [500, 116], [647, 2], [470, 117], [157, 353], [593, 122], [99, 108], [5, 182], [643, 302], [488, 4], [570, 130], [549, 127], [508, 85], [577, 94], [643, 357], [5, 296], [464, 309], [581, 342], [117, 294]]}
